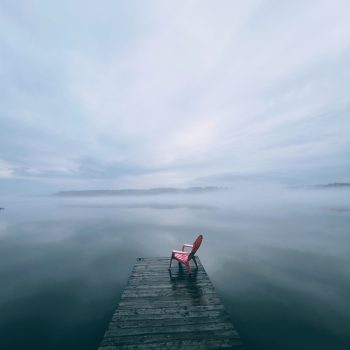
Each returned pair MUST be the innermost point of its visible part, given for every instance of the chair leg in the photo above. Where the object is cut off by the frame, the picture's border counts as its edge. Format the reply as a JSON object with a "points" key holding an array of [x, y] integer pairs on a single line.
{"points": [[171, 260], [195, 262], [188, 267]]}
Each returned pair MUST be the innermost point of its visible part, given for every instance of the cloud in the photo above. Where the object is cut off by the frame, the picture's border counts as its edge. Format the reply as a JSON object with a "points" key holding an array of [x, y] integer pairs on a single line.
{"points": [[6, 170], [132, 94]]}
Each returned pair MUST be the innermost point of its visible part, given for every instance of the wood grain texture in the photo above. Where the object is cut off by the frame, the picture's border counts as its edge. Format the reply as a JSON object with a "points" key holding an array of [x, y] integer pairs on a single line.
{"points": [[161, 309]]}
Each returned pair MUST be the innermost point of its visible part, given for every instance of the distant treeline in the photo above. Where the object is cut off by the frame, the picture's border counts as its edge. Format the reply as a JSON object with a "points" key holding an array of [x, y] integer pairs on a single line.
{"points": [[335, 184], [136, 192]]}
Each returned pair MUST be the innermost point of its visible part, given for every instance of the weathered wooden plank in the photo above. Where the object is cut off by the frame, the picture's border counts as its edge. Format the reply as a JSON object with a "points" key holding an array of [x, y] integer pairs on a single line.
{"points": [[158, 275], [182, 344], [155, 274], [166, 293], [161, 337], [182, 315], [162, 310], [156, 304], [167, 329], [169, 310], [139, 323]]}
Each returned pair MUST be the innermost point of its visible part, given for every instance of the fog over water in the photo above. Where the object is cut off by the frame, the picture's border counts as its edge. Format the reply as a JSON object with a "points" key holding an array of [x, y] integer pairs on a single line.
{"points": [[140, 96], [278, 257]]}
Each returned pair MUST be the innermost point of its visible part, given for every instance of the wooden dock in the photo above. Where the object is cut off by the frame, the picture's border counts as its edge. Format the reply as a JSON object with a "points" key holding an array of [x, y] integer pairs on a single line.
{"points": [[160, 309]]}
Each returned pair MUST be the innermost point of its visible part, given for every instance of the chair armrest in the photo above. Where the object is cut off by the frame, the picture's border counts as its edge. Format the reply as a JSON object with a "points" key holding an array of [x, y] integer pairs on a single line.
{"points": [[180, 252], [187, 246]]}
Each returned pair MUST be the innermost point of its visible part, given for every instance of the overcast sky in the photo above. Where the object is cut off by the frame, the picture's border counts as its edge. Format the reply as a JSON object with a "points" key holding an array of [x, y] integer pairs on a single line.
{"points": [[139, 94]]}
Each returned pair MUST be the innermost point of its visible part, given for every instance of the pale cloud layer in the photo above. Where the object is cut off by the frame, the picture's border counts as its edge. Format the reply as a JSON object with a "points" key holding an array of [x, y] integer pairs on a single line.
{"points": [[154, 93]]}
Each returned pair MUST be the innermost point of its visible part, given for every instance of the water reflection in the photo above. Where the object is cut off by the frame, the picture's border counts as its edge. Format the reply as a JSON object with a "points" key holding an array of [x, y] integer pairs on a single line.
{"points": [[182, 275], [186, 285], [340, 209], [277, 258]]}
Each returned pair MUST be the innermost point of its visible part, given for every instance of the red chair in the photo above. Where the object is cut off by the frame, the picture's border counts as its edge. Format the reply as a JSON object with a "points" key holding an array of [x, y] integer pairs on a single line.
{"points": [[184, 257]]}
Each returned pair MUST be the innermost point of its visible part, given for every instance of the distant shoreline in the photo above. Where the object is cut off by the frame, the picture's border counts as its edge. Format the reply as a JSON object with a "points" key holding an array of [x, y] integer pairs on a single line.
{"points": [[169, 191], [335, 185], [135, 192]]}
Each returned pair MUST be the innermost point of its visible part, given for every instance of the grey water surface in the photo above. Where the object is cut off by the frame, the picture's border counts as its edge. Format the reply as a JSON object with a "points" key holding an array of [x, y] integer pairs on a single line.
{"points": [[279, 258]]}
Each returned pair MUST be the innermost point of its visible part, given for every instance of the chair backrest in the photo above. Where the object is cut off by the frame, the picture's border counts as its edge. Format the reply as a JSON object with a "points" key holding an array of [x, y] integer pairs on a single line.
{"points": [[197, 243]]}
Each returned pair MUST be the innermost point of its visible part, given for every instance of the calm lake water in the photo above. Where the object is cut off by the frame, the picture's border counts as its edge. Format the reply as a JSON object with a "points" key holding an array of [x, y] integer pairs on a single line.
{"points": [[279, 259]]}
